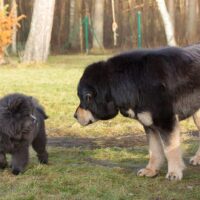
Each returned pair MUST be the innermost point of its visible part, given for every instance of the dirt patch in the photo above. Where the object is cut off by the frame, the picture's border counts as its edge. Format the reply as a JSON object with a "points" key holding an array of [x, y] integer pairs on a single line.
{"points": [[128, 167], [126, 141]]}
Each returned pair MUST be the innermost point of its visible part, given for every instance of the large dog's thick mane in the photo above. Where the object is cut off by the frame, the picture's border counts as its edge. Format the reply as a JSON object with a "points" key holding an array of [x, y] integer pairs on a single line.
{"points": [[133, 78], [166, 77]]}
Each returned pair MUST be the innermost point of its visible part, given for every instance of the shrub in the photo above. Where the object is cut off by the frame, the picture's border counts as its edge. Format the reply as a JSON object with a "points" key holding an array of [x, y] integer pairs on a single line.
{"points": [[8, 20]]}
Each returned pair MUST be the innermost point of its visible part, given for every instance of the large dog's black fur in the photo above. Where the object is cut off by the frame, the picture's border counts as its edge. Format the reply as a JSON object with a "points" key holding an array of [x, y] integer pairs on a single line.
{"points": [[164, 81], [21, 124], [158, 87]]}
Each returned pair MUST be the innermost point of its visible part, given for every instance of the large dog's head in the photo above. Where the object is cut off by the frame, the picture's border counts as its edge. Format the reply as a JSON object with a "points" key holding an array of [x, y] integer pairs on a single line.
{"points": [[16, 115], [96, 102]]}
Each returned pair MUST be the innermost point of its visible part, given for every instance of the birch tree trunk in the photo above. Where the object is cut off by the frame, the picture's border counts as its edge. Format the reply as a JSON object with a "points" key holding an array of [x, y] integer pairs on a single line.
{"points": [[98, 24], [38, 43], [169, 29]]}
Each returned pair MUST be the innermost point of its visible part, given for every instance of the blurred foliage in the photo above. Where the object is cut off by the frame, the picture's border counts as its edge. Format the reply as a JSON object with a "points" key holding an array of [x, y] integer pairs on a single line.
{"points": [[8, 20]]}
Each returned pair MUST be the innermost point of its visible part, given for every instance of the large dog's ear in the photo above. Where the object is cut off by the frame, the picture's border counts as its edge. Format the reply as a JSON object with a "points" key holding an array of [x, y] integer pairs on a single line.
{"points": [[88, 97]]}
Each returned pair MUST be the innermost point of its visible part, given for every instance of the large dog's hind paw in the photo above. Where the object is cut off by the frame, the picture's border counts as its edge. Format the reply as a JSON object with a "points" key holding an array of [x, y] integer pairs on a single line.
{"points": [[195, 160], [174, 176], [147, 172]]}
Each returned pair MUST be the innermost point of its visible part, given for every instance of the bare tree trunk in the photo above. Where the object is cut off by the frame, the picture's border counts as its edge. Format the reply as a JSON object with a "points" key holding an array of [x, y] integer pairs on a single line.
{"points": [[81, 36], [98, 24], [80, 26], [169, 29], [38, 43], [14, 36], [171, 9], [71, 21], [74, 23], [191, 21], [62, 22]]}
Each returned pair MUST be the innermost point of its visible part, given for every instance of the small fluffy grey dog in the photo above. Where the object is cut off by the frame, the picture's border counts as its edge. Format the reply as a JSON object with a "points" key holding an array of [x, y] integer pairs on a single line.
{"points": [[21, 124]]}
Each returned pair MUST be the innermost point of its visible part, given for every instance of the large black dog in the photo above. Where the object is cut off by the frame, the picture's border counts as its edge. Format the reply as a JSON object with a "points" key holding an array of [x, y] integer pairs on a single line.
{"points": [[157, 87], [21, 124]]}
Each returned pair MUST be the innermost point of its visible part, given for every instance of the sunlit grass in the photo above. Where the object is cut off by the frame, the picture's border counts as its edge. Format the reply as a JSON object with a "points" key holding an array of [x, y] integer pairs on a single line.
{"points": [[107, 172], [55, 85]]}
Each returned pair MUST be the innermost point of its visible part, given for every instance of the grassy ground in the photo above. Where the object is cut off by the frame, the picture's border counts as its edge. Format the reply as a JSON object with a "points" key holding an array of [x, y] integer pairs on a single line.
{"points": [[96, 162]]}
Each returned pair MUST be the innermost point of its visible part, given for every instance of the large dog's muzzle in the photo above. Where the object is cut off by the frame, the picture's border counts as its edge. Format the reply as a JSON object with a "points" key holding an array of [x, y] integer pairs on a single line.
{"points": [[84, 117]]}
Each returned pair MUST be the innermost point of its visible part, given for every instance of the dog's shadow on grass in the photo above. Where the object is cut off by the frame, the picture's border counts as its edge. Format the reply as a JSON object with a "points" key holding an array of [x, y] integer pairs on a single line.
{"points": [[124, 141], [131, 143], [134, 144]]}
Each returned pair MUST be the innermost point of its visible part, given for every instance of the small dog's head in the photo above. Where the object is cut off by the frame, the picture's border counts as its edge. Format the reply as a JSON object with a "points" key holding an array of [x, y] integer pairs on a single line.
{"points": [[17, 115]]}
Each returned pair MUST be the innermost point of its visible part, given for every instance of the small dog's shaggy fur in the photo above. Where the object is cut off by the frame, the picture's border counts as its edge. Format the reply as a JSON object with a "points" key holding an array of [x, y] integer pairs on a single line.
{"points": [[21, 124]]}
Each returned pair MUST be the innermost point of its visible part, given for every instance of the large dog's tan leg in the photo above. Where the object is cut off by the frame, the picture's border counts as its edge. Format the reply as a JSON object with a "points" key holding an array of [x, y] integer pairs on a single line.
{"points": [[195, 160], [173, 154], [156, 155]]}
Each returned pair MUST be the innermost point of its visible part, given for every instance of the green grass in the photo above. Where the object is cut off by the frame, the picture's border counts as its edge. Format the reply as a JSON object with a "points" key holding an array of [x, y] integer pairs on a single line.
{"points": [[104, 163]]}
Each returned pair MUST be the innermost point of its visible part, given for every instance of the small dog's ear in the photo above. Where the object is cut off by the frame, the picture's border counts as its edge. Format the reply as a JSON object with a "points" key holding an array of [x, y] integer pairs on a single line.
{"points": [[33, 100], [14, 105]]}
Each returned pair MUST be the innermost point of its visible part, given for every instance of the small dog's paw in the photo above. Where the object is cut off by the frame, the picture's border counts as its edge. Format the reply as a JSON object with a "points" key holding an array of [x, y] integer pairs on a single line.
{"points": [[15, 171], [43, 159], [147, 172], [174, 176], [195, 160]]}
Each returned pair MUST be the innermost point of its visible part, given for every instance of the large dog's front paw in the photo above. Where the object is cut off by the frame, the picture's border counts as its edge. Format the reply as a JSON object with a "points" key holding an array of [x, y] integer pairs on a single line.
{"points": [[147, 172], [175, 175], [195, 160]]}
